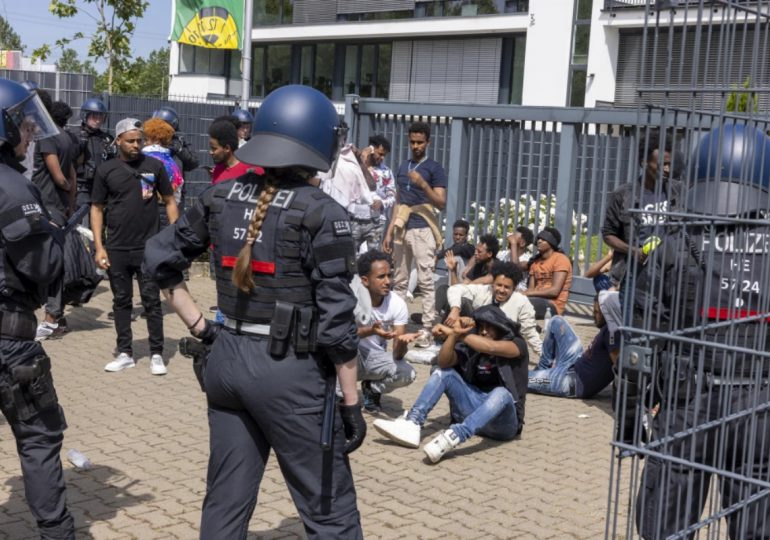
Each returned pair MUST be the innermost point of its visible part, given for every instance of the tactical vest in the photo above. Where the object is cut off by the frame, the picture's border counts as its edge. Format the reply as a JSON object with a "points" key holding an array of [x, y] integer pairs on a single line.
{"points": [[714, 274], [17, 205], [96, 147], [277, 253]]}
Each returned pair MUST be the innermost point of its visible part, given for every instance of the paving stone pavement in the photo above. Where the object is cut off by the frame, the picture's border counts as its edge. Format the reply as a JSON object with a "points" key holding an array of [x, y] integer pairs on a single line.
{"points": [[148, 440]]}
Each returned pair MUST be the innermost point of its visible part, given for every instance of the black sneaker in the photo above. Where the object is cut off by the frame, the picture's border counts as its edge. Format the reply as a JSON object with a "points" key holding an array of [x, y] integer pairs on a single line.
{"points": [[371, 398]]}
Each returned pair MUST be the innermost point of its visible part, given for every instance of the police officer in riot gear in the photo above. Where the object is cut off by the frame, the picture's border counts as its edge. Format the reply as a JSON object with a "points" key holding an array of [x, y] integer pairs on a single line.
{"points": [[180, 149], [701, 302], [96, 147], [247, 121], [31, 251], [284, 257]]}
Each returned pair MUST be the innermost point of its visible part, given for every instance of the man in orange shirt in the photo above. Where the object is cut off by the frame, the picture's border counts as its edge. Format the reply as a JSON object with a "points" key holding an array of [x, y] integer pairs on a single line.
{"points": [[550, 274]]}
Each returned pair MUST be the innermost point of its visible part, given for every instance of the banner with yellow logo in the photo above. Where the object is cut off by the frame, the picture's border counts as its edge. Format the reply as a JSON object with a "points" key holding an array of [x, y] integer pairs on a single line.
{"points": [[214, 24]]}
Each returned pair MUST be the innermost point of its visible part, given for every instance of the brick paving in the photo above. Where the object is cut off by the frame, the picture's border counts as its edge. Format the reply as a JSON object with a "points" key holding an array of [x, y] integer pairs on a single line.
{"points": [[148, 439]]}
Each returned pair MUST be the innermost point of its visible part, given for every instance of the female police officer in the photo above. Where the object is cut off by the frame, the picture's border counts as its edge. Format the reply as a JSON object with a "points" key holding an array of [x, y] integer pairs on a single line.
{"points": [[284, 257], [30, 258]]}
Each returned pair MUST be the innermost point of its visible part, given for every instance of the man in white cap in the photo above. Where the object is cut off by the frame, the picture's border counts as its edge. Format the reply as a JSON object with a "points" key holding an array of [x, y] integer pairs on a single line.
{"points": [[128, 187]]}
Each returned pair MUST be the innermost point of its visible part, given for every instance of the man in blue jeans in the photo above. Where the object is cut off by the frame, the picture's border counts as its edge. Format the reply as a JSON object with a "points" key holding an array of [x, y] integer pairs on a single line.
{"points": [[486, 391], [565, 369]]}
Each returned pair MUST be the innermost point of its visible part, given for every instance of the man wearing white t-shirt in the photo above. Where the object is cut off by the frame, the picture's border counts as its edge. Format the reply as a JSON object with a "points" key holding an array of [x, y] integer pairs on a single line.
{"points": [[381, 370]]}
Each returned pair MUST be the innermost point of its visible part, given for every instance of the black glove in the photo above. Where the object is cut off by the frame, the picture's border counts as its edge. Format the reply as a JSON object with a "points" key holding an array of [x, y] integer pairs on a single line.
{"points": [[355, 426], [209, 333]]}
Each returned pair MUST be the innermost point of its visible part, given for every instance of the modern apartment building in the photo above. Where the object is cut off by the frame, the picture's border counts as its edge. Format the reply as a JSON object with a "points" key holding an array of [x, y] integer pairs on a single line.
{"points": [[529, 52]]}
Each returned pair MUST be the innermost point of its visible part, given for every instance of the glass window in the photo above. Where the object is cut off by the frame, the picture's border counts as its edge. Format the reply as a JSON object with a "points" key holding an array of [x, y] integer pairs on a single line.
{"points": [[186, 58], [288, 11], [584, 9], [516, 6], [203, 61], [517, 78], [366, 84], [324, 68], [278, 67], [235, 64], [383, 71], [258, 71], [351, 69], [267, 12], [580, 47], [306, 65], [577, 90]]}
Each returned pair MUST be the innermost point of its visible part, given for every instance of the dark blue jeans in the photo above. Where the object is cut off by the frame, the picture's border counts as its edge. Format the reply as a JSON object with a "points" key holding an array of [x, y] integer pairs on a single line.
{"points": [[555, 374], [491, 414]]}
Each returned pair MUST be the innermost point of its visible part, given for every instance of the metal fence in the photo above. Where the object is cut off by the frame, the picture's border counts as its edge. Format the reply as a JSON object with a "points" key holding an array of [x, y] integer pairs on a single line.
{"points": [[511, 165], [691, 448], [72, 88]]}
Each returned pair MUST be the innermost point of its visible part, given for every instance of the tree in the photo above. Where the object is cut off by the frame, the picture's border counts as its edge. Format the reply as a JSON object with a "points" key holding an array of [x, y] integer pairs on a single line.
{"points": [[9, 39], [70, 63], [742, 101], [110, 40], [146, 77]]}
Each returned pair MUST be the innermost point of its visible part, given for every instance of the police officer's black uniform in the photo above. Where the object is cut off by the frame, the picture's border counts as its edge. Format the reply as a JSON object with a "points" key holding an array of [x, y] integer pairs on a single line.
{"points": [[30, 258], [268, 369], [96, 147], [712, 392]]}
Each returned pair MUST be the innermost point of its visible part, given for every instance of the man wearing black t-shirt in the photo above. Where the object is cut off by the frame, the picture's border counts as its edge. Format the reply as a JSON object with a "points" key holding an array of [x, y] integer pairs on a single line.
{"points": [[128, 187], [54, 174]]}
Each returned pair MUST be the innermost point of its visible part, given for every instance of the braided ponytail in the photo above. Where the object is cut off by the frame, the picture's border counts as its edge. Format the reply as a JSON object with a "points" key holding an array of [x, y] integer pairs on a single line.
{"points": [[242, 275]]}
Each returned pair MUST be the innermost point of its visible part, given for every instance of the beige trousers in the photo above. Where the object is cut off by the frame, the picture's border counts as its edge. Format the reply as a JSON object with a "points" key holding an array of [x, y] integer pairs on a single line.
{"points": [[419, 246]]}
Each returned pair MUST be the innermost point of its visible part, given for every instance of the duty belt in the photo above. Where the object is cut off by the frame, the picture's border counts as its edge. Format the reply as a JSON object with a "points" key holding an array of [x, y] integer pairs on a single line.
{"points": [[18, 325], [243, 327]]}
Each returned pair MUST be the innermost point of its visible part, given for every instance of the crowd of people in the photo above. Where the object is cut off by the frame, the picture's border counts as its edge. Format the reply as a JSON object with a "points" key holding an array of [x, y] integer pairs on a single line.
{"points": [[273, 221]]}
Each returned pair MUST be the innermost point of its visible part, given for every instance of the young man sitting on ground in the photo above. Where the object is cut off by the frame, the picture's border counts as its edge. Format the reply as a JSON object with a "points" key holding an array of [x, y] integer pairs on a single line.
{"points": [[550, 275], [463, 299], [479, 267], [482, 373], [379, 370], [565, 369]]}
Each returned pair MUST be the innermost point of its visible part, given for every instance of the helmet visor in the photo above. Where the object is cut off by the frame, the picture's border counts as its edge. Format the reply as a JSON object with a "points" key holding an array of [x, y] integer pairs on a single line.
{"points": [[31, 117]]}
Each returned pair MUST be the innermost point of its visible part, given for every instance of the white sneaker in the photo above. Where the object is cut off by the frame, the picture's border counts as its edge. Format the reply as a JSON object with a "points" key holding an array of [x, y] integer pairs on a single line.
{"points": [[424, 340], [157, 365], [121, 362], [45, 330], [422, 356], [402, 431], [442, 444]]}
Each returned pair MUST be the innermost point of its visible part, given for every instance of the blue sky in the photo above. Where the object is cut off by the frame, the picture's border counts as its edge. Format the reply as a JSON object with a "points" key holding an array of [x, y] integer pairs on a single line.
{"points": [[36, 26]]}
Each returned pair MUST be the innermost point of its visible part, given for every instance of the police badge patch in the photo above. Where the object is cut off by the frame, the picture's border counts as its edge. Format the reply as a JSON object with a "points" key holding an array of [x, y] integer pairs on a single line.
{"points": [[342, 228]]}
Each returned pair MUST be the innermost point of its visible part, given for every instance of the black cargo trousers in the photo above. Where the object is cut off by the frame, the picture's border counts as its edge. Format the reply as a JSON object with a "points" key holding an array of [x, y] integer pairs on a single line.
{"points": [[725, 427], [39, 435], [255, 403]]}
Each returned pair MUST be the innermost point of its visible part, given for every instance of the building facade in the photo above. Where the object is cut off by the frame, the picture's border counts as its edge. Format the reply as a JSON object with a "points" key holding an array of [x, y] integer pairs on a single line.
{"points": [[527, 52]]}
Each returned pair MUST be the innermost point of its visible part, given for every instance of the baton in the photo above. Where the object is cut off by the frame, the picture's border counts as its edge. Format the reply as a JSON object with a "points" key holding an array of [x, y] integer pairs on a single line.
{"points": [[75, 218], [330, 402]]}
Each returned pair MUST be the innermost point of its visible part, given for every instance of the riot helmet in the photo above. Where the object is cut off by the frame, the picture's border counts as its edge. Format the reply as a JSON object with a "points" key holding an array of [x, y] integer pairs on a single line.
{"points": [[23, 114], [732, 171], [243, 116], [92, 106], [168, 115], [295, 126], [30, 85]]}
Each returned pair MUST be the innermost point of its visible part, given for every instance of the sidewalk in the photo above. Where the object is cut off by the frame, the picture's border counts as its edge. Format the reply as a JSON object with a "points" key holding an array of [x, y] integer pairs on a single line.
{"points": [[148, 439]]}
